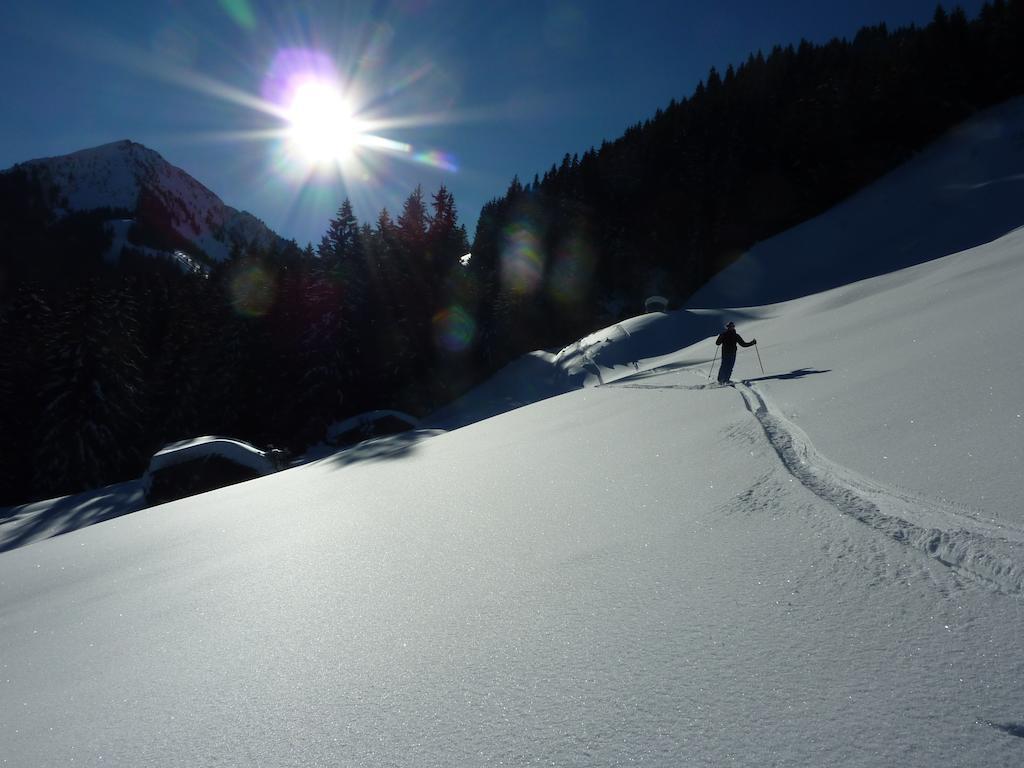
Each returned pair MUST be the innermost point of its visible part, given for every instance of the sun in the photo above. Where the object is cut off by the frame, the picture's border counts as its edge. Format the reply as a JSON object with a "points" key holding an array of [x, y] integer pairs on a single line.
{"points": [[321, 125]]}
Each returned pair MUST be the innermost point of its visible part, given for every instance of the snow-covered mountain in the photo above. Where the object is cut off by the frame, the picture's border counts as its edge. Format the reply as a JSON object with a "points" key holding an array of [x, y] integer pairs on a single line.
{"points": [[823, 564], [130, 178]]}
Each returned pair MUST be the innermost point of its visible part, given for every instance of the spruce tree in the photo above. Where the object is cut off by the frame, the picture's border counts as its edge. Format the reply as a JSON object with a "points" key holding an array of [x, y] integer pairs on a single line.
{"points": [[91, 395], [412, 225], [24, 326]]}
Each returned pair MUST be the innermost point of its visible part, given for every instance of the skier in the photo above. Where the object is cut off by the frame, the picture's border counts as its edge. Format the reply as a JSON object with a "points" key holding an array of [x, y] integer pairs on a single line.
{"points": [[727, 340]]}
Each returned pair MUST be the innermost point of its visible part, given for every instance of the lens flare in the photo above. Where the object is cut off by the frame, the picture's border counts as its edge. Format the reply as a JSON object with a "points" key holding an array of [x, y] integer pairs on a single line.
{"points": [[290, 69], [175, 46], [389, 87], [572, 271], [436, 159], [252, 288], [379, 40], [454, 329], [325, 126], [240, 12], [388, 145], [522, 261]]}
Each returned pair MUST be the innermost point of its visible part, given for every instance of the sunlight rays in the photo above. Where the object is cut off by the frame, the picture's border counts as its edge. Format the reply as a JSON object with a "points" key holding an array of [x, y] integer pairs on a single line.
{"points": [[317, 114], [321, 123]]}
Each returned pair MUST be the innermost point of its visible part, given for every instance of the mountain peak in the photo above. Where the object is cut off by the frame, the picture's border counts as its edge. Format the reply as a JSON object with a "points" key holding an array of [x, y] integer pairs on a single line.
{"points": [[127, 146], [127, 176], [121, 148]]}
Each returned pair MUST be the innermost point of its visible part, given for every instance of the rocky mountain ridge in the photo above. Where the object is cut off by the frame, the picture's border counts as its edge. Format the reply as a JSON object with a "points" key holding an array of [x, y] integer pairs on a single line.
{"points": [[173, 211]]}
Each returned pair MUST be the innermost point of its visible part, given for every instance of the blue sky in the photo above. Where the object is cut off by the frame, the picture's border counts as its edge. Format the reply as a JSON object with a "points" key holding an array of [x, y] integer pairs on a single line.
{"points": [[467, 93]]}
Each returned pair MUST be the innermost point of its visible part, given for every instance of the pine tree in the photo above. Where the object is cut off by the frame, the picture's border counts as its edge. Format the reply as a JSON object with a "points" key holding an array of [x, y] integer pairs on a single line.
{"points": [[185, 357], [395, 290], [419, 284], [24, 326], [326, 356], [412, 225], [341, 241], [447, 241], [92, 394]]}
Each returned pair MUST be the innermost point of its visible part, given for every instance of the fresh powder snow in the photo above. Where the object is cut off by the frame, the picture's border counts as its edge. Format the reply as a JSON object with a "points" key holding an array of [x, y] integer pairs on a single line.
{"points": [[607, 559]]}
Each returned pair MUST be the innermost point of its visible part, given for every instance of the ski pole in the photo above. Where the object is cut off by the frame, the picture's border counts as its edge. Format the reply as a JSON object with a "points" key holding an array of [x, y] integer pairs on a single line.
{"points": [[713, 364], [759, 359]]}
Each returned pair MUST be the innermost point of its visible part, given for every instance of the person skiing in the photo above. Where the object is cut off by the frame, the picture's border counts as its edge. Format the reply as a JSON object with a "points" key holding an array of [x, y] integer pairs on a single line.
{"points": [[727, 340]]}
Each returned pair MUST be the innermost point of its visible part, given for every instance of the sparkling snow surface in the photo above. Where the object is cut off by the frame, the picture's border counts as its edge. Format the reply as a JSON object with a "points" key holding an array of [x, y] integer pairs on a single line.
{"points": [[821, 566], [606, 576]]}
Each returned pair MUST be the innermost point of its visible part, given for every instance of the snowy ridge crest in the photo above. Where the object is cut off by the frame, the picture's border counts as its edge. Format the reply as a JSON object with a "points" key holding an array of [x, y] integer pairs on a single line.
{"points": [[988, 556], [126, 176]]}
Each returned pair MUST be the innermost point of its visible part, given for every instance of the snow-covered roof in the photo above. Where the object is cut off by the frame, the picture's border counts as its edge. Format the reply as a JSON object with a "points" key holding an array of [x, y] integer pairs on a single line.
{"points": [[237, 451]]}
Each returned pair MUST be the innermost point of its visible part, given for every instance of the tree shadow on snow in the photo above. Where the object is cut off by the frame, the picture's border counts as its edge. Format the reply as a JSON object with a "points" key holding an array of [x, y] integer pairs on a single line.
{"points": [[68, 514], [395, 446]]}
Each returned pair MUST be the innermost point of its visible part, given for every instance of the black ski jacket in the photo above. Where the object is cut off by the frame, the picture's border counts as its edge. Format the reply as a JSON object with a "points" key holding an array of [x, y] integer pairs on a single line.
{"points": [[728, 339]]}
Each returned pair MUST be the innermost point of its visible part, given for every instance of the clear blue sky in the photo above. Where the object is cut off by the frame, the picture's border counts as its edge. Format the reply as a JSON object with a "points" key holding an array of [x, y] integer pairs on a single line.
{"points": [[475, 92]]}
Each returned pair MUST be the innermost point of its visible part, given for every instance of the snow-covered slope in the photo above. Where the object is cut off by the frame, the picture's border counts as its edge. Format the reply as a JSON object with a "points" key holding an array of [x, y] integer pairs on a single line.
{"points": [[909, 386], [963, 191], [821, 565], [126, 176], [644, 570]]}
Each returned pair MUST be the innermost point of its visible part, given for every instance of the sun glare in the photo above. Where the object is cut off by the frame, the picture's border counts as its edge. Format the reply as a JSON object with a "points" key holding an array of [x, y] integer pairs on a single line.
{"points": [[321, 125]]}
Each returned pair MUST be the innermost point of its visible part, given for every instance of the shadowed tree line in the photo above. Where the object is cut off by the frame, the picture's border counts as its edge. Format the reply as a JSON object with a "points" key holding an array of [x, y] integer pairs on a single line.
{"points": [[753, 151], [102, 363]]}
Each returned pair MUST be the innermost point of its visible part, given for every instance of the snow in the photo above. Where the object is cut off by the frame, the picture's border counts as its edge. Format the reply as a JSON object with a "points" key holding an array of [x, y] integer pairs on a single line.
{"points": [[119, 230], [963, 191], [365, 421], [40, 520], [924, 384], [115, 175], [608, 561], [209, 445]]}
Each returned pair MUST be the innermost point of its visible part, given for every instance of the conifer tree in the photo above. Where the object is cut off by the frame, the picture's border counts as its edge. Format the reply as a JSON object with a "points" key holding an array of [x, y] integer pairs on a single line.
{"points": [[447, 241], [412, 225], [326, 345], [341, 241], [24, 326], [87, 432]]}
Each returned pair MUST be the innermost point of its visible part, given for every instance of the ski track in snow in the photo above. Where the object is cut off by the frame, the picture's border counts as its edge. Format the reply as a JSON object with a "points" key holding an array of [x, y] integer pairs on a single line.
{"points": [[991, 559]]}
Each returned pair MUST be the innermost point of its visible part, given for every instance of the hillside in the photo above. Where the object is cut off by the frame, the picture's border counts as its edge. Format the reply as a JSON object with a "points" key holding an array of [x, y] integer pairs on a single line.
{"points": [[126, 176], [644, 569], [820, 565], [962, 191], [773, 141]]}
